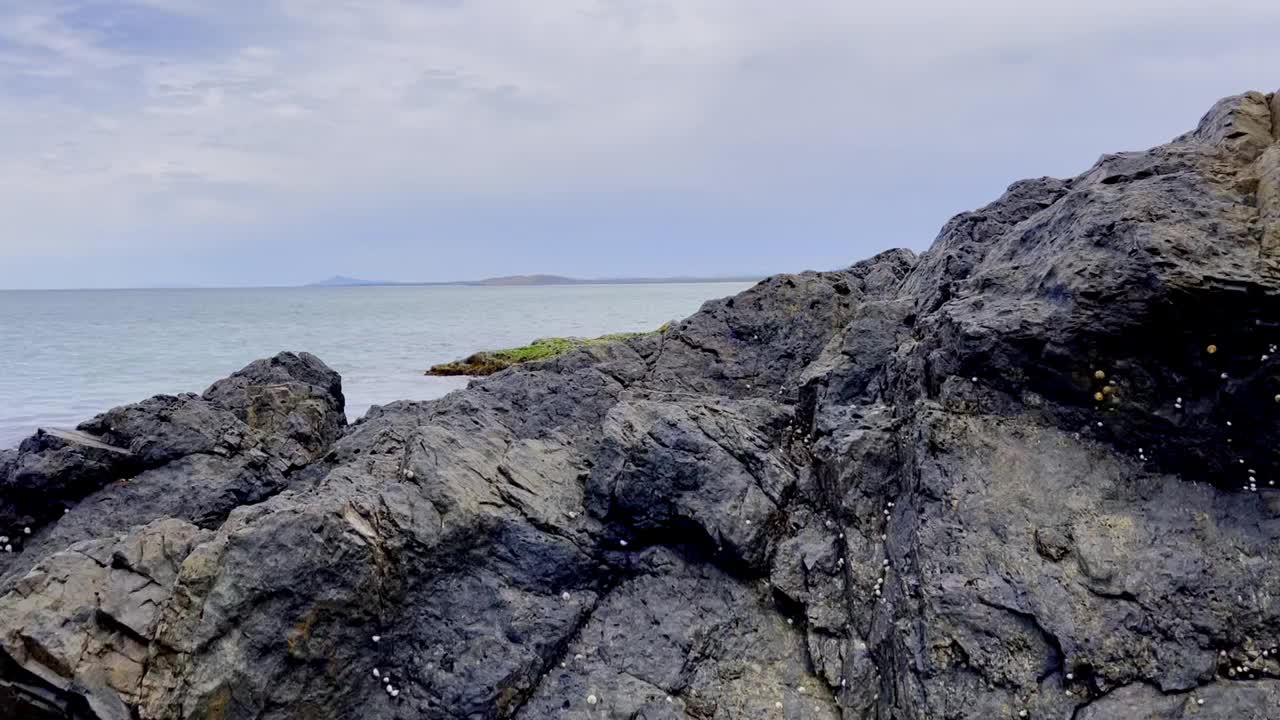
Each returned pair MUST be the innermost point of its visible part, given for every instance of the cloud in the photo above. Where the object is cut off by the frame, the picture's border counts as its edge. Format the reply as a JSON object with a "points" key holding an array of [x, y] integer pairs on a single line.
{"points": [[129, 123]]}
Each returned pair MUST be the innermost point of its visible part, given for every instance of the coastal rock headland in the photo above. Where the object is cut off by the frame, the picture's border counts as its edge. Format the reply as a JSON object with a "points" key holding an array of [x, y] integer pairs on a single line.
{"points": [[1030, 473]]}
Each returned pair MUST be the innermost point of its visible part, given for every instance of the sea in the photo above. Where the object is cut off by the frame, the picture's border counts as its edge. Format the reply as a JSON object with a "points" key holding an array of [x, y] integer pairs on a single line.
{"points": [[66, 355]]}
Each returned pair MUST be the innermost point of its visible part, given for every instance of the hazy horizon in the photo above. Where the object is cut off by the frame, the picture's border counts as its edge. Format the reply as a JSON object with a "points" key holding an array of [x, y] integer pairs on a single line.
{"points": [[276, 143], [375, 283]]}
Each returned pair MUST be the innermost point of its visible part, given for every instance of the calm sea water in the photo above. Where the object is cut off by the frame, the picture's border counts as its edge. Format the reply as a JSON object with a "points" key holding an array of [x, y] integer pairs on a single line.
{"points": [[67, 355]]}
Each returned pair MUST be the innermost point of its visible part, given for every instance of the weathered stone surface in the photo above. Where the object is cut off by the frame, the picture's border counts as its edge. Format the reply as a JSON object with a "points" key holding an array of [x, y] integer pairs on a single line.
{"points": [[83, 619], [1026, 474]]}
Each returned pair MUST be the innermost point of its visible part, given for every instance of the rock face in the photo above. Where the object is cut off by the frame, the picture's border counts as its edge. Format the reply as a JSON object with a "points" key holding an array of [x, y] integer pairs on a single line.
{"points": [[1026, 474]]}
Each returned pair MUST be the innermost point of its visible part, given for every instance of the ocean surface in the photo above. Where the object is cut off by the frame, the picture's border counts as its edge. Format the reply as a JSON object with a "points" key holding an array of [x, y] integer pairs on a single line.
{"points": [[68, 355]]}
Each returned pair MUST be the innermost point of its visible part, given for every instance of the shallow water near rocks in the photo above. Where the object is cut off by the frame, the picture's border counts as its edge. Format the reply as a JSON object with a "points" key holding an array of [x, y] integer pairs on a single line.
{"points": [[68, 355]]}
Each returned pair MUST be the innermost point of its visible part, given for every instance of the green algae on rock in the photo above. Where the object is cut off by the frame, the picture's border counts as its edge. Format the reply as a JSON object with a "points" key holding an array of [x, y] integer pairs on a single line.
{"points": [[488, 362]]}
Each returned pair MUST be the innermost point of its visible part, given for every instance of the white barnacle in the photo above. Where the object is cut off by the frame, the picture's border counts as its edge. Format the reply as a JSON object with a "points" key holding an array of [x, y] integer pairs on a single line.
{"points": [[4, 538], [623, 543], [778, 704], [376, 638], [565, 595], [408, 474], [1199, 701], [1022, 713], [376, 673], [26, 531], [390, 690], [592, 699], [1223, 376], [8, 548], [1071, 676], [395, 693], [800, 689]]}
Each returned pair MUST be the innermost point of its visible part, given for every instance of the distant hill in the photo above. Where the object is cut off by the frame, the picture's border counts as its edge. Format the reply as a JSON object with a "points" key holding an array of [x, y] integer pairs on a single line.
{"points": [[510, 280], [528, 281], [344, 281]]}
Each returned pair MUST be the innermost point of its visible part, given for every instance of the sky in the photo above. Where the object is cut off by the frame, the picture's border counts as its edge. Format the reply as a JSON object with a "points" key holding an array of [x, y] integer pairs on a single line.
{"points": [[276, 142]]}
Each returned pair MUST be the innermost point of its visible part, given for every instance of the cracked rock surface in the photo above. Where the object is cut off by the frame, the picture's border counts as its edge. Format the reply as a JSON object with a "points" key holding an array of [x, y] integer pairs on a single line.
{"points": [[1027, 474]]}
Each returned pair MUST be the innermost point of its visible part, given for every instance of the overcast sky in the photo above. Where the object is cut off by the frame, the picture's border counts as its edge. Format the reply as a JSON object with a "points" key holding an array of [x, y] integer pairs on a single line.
{"points": [[250, 142]]}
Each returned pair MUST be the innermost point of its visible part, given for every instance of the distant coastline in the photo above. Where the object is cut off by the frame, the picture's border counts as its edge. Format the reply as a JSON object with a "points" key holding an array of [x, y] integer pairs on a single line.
{"points": [[532, 281], [340, 281]]}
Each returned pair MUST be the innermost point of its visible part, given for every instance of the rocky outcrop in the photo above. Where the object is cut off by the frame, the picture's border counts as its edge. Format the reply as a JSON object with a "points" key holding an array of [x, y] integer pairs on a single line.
{"points": [[1029, 473]]}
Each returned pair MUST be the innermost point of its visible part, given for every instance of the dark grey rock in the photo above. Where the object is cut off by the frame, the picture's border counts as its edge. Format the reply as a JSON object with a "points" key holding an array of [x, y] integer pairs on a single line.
{"points": [[1007, 478]]}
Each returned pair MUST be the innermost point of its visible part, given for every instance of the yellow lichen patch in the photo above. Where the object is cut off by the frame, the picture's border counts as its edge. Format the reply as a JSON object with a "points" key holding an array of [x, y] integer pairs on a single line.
{"points": [[1099, 396], [216, 704], [302, 633]]}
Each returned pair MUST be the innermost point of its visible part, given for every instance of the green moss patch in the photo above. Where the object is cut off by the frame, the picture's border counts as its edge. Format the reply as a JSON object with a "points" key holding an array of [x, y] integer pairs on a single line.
{"points": [[488, 362]]}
